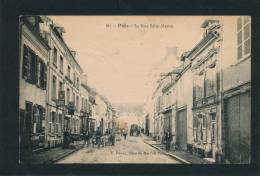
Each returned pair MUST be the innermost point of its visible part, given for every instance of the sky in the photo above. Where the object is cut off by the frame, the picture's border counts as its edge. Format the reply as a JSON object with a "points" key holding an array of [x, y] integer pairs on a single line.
{"points": [[118, 61]]}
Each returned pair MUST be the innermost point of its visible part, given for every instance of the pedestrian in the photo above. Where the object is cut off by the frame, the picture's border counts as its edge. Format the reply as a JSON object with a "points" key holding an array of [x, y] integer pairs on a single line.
{"points": [[86, 137], [98, 137], [65, 139], [168, 139], [125, 133], [112, 136]]}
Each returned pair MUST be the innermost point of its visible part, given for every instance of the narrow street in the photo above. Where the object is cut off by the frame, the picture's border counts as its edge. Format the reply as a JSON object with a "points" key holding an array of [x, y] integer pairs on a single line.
{"points": [[131, 150]]}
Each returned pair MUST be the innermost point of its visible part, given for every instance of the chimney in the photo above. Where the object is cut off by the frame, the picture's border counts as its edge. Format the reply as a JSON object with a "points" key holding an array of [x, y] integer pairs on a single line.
{"points": [[60, 30]]}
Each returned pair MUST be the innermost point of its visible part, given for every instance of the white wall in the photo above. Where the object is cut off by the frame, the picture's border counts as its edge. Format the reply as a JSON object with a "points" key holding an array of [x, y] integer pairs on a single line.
{"points": [[29, 91]]}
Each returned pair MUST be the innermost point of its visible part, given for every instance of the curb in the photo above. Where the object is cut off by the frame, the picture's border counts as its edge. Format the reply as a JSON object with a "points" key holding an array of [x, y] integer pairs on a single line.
{"points": [[169, 154], [62, 156]]}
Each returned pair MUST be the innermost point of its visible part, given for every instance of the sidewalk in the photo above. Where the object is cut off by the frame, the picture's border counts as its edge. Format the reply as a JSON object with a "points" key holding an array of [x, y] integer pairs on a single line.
{"points": [[182, 156], [52, 155]]}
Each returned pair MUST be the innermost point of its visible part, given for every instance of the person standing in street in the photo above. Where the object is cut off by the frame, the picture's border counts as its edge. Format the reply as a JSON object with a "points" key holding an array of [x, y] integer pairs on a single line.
{"points": [[113, 138], [98, 137], [86, 138], [125, 133], [168, 139]]}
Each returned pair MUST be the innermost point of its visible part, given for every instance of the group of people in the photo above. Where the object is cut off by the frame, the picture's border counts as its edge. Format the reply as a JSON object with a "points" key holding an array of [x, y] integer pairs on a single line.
{"points": [[94, 138], [97, 138]]}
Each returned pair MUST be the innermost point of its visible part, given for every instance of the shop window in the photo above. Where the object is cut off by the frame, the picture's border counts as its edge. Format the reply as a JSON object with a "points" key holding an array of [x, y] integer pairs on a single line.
{"points": [[50, 120], [60, 123], [37, 118], [204, 129], [195, 126], [213, 127], [53, 122]]}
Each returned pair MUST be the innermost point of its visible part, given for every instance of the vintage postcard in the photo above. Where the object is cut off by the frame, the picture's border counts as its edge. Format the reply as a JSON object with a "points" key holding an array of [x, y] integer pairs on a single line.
{"points": [[135, 89]]}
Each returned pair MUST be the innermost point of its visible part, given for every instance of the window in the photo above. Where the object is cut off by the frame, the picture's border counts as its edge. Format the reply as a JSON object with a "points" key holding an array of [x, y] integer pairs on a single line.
{"points": [[61, 64], [74, 99], [68, 95], [210, 82], [243, 36], [38, 116], [60, 86], [60, 123], [77, 103], [55, 56], [204, 128], [82, 103], [213, 127], [195, 126], [68, 72], [53, 122], [30, 65], [74, 79], [77, 83], [198, 87], [54, 87]]}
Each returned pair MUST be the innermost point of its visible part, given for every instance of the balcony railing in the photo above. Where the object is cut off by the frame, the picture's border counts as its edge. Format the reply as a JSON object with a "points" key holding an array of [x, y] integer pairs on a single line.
{"points": [[206, 100]]}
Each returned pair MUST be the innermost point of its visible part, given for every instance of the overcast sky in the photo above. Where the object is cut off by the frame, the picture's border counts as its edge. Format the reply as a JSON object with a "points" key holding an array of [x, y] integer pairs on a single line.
{"points": [[118, 60]]}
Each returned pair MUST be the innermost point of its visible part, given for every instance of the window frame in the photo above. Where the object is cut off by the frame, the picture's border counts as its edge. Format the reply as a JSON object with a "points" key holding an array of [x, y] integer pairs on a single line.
{"points": [[61, 64], [54, 87], [243, 40], [55, 56]]}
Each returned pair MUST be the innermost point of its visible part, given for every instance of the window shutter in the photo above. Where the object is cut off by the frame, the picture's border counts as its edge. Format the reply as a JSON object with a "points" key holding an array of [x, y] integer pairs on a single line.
{"points": [[44, 76], [32, 67], [25, 62], [36, 70]]}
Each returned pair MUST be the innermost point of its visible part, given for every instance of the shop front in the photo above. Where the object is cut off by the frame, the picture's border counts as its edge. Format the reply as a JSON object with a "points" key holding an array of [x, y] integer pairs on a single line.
{"points": [[205, 131]]}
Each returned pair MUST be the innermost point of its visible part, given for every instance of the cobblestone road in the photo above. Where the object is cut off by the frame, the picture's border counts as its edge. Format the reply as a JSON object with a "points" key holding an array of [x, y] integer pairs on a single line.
{"points": [[132, 150]]}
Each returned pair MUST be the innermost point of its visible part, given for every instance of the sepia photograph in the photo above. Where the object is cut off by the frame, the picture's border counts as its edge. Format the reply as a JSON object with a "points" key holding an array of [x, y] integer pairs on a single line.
{"points": [[134, 89]]}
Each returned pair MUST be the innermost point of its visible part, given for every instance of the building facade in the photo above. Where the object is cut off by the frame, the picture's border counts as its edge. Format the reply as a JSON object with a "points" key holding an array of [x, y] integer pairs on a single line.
{"points": [[63, 76], [236, 97], [206, 104], [34, 53]]}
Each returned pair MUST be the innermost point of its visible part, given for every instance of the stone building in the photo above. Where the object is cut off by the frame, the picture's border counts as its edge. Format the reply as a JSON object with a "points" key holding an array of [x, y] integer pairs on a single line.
{"points": [[236, 94], [34, 54], [63, 76]]}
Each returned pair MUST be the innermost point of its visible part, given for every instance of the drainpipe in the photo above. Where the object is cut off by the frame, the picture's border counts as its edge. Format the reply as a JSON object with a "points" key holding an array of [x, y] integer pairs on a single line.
{"points": [[221, 114], [47, 96]]}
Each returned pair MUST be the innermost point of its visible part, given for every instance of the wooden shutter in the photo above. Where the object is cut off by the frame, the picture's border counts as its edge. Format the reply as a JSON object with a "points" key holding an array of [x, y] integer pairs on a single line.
{"points": [[43, 113], [44, 76], [25, 62], [36, 69], [31, 78]]}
